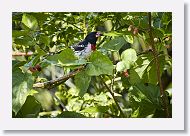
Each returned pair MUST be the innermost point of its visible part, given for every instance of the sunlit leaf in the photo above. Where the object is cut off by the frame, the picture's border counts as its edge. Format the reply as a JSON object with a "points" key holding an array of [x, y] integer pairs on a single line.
{"points": [[21, 85], [113, 34], [121, 66], [82, 81], [129, 39], [67, 58], [99, 64], [30, 108], [129, 56], [30, 21], [146, 68], [114, 44]]}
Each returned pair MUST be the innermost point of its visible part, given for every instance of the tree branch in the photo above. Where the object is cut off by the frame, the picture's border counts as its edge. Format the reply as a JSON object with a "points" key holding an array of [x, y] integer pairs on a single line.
{"points": [[155, 54], [122, 114], [22, 53], [52, 83]]}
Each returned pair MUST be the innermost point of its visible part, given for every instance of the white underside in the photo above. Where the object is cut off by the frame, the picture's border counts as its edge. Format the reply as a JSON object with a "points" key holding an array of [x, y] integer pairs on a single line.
{"points": [[84, 53]]}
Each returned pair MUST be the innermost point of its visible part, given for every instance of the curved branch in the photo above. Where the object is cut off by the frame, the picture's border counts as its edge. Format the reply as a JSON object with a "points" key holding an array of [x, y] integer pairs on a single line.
{"points": [[155, 54], [52, 83]]}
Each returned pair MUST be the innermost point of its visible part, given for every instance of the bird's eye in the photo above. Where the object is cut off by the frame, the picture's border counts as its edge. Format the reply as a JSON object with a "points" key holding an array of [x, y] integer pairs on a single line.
{"points": [[98, 34]]}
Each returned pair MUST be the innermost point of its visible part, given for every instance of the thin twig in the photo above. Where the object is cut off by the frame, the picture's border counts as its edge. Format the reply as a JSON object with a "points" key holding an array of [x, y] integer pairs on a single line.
{"points": [[155, 54], [73, 25], [58, 100], [122, 114], [112, 80]]}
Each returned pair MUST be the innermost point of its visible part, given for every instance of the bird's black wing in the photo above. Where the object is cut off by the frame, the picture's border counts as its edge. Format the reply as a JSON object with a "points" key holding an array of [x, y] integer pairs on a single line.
{"points": [[80, 46]]}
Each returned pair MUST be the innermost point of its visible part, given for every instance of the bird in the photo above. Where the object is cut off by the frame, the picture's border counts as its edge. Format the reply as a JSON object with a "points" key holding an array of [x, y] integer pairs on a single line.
{"points": [[84, 48]]}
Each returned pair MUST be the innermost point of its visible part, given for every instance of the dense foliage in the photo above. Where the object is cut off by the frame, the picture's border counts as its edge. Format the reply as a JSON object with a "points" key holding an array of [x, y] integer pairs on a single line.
{"points": [[119, 79]]}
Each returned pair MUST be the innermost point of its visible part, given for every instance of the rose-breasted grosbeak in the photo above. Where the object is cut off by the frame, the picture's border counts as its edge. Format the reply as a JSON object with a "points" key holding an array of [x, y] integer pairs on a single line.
{"points": [[84, 48]]}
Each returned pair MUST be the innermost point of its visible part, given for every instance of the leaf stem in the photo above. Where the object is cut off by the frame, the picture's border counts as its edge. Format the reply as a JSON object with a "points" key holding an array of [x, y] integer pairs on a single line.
{"points": [[122, 114], [155, 54]]}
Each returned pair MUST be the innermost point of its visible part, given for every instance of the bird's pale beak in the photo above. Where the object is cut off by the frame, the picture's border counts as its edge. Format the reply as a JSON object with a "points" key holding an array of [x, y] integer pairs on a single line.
{"points": [[98, 34]]}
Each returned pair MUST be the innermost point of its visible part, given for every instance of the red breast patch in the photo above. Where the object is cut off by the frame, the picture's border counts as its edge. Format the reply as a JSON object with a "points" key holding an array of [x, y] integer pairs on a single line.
{"points": [[93, 47]]}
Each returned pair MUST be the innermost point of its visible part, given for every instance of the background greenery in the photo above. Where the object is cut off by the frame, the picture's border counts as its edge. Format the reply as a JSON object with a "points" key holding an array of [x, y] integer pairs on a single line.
{"points": [[119, 79]]}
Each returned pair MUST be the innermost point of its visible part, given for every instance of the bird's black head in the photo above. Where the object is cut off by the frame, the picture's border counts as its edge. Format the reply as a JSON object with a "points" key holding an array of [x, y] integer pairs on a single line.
{"points": [[92, 37]]}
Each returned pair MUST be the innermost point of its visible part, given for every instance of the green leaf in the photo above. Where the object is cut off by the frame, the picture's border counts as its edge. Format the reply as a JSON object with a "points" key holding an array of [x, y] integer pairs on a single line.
{"points": [[151, 92], [82, 81], [67, 58], [40, 51], [151, 74], [108, 25], [166, 18], [157, 33], [33, 62], [44, 39], [135, 114], [30, 109], [100, 64], [113, 34], [142, 43], [136, 44], [141, 108], [121, 66], [146, 67], [45, 63], [125, 81], [102, 109], [142, 62], [18, 33], [129, 56], [41, 17], [129, 39], [134, 77], [30, 21], [70, 114], [54, 58], [115, 44], [25, 41], [16, 64], [144, 99], [21, 85]]}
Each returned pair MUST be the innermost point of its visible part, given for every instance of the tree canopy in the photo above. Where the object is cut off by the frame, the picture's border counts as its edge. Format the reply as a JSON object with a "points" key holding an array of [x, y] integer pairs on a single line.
{"points": [[128, 76]]}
